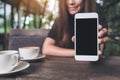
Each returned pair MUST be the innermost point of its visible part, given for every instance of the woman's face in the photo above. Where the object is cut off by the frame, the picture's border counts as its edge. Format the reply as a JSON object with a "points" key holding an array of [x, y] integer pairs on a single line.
{"points": [[74, 6]]}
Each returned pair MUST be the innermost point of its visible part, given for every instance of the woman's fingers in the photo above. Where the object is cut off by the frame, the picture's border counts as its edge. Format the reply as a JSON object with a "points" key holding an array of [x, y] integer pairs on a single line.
{"points": [[73, 39], [99, 27], [102, 40], [102, 32], [99, 52]]}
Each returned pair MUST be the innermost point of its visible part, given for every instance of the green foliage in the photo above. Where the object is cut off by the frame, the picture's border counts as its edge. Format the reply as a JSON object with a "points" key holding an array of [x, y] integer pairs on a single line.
{"points": [[112, 15], [112, 49]]}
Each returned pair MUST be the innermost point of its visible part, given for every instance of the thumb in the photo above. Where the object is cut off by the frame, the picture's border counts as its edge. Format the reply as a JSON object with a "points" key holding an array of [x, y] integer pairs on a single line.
{"points": [[73, 39]]}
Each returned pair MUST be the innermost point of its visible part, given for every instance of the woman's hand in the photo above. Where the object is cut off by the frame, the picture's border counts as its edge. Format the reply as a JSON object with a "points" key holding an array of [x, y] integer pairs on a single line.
{"points": [[102, 38], [101, 34]]}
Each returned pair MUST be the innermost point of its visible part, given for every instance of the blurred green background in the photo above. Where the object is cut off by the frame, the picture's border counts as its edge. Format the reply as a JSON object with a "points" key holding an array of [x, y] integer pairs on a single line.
{"points": [[26, 14]]}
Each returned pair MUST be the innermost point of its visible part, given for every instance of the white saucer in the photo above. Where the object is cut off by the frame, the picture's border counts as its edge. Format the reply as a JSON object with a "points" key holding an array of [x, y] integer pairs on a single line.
{"points": [[40, 56], [21, 66]]}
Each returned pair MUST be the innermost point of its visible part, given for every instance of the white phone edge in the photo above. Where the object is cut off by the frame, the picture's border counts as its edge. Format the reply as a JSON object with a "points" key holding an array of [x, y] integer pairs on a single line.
{"points": [[86, 57]]}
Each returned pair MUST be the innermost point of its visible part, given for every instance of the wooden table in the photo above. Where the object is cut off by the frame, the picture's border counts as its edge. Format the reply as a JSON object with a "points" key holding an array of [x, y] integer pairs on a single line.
{"points": [[61, 68]]}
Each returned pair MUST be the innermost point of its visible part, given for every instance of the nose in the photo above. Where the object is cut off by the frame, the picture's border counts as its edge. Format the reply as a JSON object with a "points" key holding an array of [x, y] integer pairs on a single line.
{"points": [[71, 1]]}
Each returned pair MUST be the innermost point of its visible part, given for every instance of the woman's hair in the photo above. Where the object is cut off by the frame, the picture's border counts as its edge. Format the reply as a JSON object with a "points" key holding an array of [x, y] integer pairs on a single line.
{"points": [[64, 19]]}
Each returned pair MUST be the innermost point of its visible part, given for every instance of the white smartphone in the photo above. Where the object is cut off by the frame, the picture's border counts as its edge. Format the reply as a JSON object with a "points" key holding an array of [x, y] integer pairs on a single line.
{"points": [[86, 33]]}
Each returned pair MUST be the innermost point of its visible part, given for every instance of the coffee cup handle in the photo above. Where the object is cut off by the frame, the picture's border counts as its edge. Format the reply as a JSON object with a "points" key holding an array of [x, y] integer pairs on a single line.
{"points": [[16, 59]]}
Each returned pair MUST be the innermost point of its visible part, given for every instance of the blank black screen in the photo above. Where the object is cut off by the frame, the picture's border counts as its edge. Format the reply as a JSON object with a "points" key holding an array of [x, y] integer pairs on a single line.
{"points": [[86, 36]]}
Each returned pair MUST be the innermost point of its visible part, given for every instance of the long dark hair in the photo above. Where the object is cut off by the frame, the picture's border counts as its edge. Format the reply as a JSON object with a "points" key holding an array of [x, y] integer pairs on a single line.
{"points": [[64, 19]]}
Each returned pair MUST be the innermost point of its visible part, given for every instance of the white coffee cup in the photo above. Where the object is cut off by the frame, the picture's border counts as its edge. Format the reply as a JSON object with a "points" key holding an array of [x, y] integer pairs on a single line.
{"points": [[30, 52], [8, 60]]}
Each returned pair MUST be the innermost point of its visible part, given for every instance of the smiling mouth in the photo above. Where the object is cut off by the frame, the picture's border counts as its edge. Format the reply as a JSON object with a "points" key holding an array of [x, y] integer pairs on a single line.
{"points": [[72, 8]]}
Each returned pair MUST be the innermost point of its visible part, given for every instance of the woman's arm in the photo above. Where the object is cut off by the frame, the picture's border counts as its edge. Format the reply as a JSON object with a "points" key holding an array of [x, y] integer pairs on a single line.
{"points": [[49, 48]]}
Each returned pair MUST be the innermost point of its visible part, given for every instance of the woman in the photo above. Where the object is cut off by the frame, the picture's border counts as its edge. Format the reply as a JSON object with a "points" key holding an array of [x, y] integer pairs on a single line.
{"points": [[60, 40]]}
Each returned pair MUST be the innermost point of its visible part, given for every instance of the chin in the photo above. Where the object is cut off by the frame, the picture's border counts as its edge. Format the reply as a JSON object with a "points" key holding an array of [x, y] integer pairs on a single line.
{"points": [[73, 12]]}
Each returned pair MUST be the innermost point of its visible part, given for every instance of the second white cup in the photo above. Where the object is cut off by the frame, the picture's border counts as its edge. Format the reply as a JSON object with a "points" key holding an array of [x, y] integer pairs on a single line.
{"points": [[30, 52]]}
